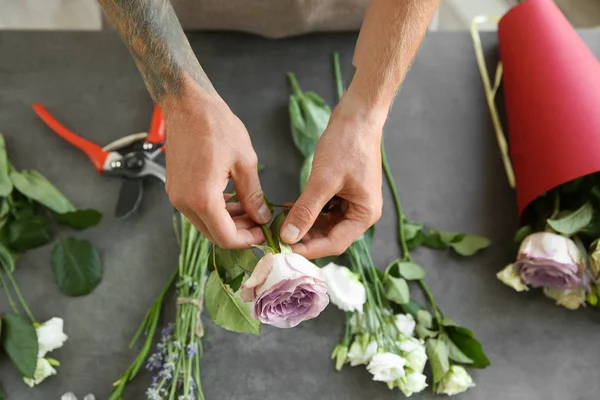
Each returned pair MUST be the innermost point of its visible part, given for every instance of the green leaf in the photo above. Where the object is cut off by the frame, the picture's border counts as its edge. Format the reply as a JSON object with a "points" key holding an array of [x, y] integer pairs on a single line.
{"points": [[226, 308], [411, 230], [323, 261], [35, 186], [236, 282], [28, 233], [437, 353], [5, 182], [396, 290], [412, 307], [4, 212], [454, 352], [522, 233], [20, 343], [305, 171], [573, 222], [76, 265], [433, 239], [468, 244], [275, 228], [6, 258], [411, 271], [466, 342], [303, 143], [424, 318], [244, 259], [80, 219]]}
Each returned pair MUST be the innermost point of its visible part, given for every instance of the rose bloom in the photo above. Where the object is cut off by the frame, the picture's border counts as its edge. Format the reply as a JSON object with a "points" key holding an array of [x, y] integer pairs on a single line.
{"points": [[285, 289], [549, 260]]}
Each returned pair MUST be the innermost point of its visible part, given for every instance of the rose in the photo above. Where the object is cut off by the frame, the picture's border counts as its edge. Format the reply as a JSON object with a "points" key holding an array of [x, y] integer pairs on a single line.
{"points": [[456, 380], [285, 289], [405, 323], [344, 288], [50, 336], [511, 277], [568, 298], [361, 351], [43, 369], [549, 260], [386, 367]]}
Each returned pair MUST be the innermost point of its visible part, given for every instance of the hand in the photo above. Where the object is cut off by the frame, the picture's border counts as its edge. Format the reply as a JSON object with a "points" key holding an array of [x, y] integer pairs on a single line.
{"points": [[206, 146], [347, 163]]}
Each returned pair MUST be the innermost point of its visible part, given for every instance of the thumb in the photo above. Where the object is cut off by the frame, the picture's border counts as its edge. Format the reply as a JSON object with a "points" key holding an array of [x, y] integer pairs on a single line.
{"points": [[305, 211], [250, 194]]}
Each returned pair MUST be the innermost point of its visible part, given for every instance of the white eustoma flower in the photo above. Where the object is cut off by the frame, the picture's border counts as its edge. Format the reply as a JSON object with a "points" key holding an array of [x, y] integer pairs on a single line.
{"points": [[71, 396], [413, 382], [405, 323], [359, 355], [511, 277], [414, 353], [43, 369], [457, 380], [386, 367], [50, 336], [344, 288]]}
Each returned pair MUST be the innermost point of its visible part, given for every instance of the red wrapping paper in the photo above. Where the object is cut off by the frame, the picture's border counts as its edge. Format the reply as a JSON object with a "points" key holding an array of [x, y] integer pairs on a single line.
{"points": [[552, 94]]}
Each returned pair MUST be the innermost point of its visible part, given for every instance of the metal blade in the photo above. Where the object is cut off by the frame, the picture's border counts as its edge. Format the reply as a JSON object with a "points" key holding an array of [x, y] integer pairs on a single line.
{"points": [[130, 197]]}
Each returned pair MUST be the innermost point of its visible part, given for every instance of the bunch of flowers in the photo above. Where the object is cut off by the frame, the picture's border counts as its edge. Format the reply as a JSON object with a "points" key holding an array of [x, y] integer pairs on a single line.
{"points": [[388, 331]]}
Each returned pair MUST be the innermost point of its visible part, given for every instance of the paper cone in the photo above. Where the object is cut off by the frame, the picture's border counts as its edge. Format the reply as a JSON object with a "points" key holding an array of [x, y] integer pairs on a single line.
{"points": [[552, 95]]}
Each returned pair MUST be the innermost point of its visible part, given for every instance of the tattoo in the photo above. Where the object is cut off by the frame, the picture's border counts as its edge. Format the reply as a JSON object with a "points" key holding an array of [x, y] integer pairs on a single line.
{"points": [[161, 51]]}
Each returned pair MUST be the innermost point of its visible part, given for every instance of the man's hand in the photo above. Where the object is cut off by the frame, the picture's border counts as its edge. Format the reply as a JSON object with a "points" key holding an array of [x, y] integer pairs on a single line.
{"points": [[347, 163], [206, 146]]}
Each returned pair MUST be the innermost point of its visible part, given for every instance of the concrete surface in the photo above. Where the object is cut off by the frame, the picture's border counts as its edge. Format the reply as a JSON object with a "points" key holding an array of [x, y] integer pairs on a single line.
{"points": [[442, 151]]}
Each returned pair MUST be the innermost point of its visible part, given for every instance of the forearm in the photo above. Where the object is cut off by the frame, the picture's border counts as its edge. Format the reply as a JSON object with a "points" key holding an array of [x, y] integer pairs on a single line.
{"points": [[389, 39], [162, 53]]}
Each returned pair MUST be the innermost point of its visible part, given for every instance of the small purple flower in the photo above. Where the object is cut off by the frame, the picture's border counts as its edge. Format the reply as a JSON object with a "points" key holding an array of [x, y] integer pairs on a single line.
{"points": [[167, 330], [191, 350], [154, 362]]}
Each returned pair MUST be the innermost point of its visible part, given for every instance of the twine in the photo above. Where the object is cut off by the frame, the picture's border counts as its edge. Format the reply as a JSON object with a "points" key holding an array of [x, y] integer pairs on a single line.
{"points": [[198, 304]]}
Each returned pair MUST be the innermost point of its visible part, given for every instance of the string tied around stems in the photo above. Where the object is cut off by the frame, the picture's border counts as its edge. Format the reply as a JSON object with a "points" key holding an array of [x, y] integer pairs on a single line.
{"points": [[198, 304]]}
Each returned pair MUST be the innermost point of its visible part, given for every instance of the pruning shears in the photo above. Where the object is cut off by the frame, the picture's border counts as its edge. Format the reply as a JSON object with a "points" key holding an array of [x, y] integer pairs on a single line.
{"points": [[130, 157]]}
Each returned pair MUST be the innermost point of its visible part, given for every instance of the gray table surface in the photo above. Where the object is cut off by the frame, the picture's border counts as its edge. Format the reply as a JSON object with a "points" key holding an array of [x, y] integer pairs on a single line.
{"points": [[443, 153]]}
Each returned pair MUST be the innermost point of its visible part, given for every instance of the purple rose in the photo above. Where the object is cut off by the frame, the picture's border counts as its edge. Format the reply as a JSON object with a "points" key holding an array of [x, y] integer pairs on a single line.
{"points": [[285, 289], [549, 260]]}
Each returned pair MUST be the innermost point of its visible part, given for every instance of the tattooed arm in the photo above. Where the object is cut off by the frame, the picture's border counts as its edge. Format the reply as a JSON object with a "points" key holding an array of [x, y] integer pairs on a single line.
{"points": [[206, 143]]}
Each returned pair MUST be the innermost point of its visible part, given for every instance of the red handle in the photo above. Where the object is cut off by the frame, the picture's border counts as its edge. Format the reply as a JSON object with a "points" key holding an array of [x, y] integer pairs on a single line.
{"points": [[92, 150], [156, 134]]}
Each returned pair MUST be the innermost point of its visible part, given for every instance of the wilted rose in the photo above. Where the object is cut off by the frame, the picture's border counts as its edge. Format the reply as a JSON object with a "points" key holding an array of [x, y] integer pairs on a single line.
{"points": [[549, 260], [285, 289]]}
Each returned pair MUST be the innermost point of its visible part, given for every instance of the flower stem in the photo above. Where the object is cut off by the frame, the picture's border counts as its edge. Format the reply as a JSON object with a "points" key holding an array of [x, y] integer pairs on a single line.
{"points": [[8, 296], [20, 297], [295, 84], [397, 202], [269, 238], [431, 300], [347, 332], [338, 75]]}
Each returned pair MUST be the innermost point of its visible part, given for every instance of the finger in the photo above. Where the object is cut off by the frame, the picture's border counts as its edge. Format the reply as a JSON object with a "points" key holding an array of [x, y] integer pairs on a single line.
{"points": [[234, 209], [244, 222], [222, 227], [197, 222], [305, 211], [249, 192], [339, 239]]}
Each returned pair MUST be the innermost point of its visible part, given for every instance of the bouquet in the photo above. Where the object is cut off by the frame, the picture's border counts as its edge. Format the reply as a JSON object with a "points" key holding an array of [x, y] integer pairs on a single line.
{"points": [[32, 212], [393, 334], [553, 150]]}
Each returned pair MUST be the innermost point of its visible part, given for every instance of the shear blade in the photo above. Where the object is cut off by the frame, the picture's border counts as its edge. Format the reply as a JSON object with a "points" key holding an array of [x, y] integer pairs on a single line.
{"points": [[130, 197]]}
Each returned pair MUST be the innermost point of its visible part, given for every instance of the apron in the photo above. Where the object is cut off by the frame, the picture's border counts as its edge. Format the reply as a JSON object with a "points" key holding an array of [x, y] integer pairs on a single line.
{"points": [[271, 18]]}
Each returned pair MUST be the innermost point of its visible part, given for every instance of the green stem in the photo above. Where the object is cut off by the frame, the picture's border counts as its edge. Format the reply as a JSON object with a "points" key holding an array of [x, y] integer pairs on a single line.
{"points": [[338, 75], [20, 297], [431, 300], [8, 296], [295, 84], [347, 332], [269, 238], [397, 202]]}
